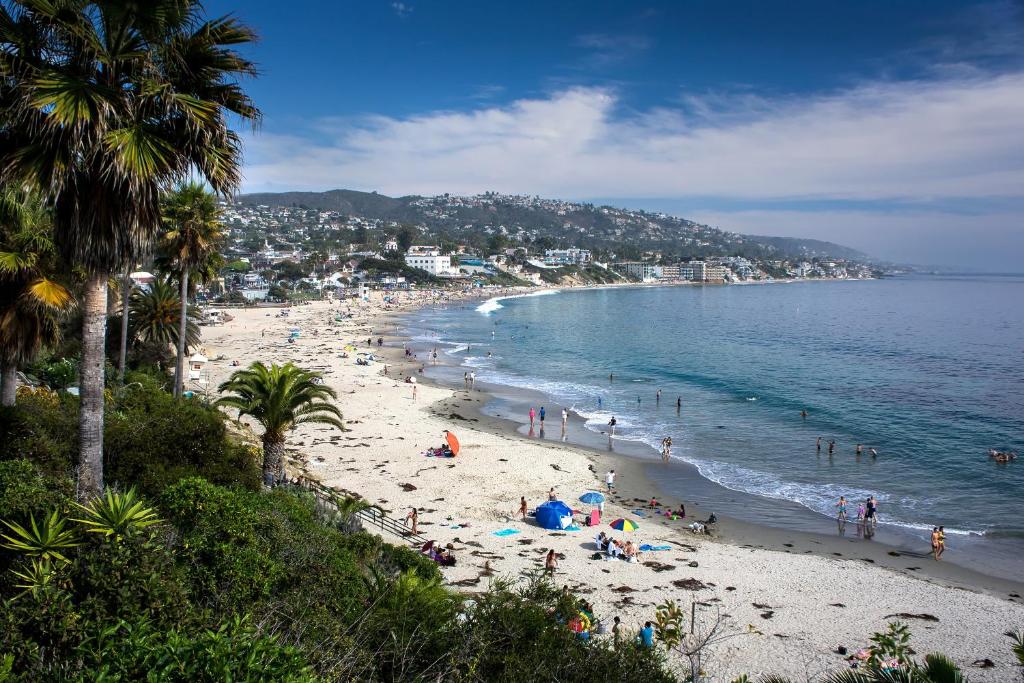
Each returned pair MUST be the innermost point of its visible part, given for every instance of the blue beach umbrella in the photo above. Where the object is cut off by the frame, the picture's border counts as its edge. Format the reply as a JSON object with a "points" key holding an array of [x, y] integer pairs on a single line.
{"points": [[592, 498]]}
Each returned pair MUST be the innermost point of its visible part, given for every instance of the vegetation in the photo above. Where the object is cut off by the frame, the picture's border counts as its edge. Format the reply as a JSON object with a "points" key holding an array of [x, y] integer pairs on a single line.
{"points": [[31, 299], [104, 103], [280, 398], [192, 239], [155, 320]]}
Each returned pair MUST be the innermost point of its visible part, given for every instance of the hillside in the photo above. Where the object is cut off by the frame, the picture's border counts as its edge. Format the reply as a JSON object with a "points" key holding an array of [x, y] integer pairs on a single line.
{"points": [[554, 221]]}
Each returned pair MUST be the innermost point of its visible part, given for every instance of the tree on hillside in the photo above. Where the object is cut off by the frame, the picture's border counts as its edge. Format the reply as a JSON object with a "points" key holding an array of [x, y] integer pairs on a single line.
{"points": [[280, 398], [193, 238], [31, 300], [406, 237], [155, 318], [104, 103]]}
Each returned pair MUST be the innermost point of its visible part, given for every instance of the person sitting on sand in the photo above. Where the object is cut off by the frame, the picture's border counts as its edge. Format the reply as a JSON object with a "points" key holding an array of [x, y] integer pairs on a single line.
{"points": [[601, 541], [551, 494]]}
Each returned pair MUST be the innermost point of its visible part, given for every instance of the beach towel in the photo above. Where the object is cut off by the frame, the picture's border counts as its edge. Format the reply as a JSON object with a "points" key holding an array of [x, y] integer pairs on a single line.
{"points": [[506, 532], [573, 527], [639, 513], [595, 517], [647, 547]]}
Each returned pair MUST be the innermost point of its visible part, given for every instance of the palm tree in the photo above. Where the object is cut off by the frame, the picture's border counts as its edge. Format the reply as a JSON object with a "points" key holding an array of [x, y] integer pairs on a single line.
{"points": [[104, 103], [193, 236], [155, 317], [31, 301], [280, 398]]}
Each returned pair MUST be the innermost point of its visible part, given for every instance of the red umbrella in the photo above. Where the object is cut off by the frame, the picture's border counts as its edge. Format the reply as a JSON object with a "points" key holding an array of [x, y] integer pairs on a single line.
{"points": [[453, 442]]}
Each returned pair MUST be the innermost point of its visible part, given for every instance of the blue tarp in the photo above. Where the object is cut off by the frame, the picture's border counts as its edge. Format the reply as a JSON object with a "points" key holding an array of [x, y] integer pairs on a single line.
{"points": [[549, 515]]}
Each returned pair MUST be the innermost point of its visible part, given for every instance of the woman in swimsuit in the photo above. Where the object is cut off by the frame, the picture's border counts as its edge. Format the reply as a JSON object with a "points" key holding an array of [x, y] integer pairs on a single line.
{"points": [[935, 542]]}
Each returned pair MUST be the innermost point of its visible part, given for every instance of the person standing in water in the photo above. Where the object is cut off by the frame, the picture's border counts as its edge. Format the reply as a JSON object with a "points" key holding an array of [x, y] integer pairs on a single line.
{"points": [[542, 417], [611, 425], [599, 403], [871, 512], [935, 543], [679, 403], [831, 446], [860, 450], [942, 542], [611, 376], [819, 444], [638, 399], [657, 397], [533, 414], [565, 418], [841, 505]]}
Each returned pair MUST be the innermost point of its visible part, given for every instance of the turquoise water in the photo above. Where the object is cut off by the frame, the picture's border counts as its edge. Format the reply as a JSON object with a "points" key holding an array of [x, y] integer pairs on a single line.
{"points": [[927, 370]]}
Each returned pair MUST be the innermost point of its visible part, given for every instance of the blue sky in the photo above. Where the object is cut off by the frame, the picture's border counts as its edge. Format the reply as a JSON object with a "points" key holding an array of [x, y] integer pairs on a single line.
{"points": [[893, 127]]}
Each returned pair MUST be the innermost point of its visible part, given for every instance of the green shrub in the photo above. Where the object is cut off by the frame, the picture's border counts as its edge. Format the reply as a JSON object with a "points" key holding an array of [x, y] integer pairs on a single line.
{"points": [[43, 428], [392, 559], [152, 440], [25, 491]]}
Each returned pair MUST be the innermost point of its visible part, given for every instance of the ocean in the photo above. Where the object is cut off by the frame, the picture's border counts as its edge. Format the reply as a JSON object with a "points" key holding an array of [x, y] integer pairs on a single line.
{"points": [[927, 370]]}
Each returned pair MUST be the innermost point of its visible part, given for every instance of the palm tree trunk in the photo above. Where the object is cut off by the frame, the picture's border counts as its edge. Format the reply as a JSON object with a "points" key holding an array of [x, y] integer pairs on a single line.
{"points": [[122, 359], [179, 368], [273, 461], [8, 383], [91, 385]]}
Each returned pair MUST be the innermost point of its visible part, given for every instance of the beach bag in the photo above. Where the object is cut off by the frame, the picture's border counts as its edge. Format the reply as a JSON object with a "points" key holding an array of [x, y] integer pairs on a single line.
{"points": [[597, 556]]}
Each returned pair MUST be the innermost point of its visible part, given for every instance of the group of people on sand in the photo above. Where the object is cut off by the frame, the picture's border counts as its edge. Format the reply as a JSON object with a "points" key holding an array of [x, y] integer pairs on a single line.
{"points": [[444, 556], [617, 550]]}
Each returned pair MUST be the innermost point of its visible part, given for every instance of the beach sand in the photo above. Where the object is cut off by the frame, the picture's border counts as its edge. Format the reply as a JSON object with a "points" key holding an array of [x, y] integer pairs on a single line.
{"points": [[789, 607]]}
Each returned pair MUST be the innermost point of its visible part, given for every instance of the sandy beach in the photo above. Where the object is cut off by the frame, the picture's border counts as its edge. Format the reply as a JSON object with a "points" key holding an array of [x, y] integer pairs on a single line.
{"points": [[790, 607]]}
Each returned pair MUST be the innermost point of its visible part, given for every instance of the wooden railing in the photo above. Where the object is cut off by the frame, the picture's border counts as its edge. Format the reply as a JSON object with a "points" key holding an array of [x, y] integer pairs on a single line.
{"points": [[372, 516]]}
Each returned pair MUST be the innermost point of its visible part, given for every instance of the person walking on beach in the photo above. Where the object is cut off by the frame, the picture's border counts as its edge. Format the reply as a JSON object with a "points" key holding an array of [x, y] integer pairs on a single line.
{"points": [[935, 543], [522, 507], [565, 420], [550, 563], [609, 480], [842, 508], [472, 379], [533, 414], [611, 425], [871, 512], [413, 517], [412, 381], [942, 542], [465, 380], [542, 417]]}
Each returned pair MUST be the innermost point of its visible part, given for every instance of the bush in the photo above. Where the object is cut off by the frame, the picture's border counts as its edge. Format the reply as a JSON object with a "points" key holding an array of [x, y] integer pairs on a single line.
{"points": [[24, 491], [43, 428], [152, 439]]}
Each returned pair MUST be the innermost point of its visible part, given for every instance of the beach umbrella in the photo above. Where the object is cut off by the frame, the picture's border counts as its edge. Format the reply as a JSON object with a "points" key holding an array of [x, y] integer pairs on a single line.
{"points": [[624, 525], [592, 498], [453, 442]]}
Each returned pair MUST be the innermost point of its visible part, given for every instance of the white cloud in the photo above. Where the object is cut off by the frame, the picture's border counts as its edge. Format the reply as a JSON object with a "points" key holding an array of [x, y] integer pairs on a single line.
{"points": [[897, 140]]}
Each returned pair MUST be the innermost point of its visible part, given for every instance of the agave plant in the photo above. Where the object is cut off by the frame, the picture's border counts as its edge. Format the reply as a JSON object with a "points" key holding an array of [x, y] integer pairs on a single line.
{"points": [[117, 514], [47, 540], [38, 576], [1018, 644]]}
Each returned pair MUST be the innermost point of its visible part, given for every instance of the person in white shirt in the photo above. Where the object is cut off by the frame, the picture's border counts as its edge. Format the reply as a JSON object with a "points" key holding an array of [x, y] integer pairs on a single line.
{"points": [[609, 480]]}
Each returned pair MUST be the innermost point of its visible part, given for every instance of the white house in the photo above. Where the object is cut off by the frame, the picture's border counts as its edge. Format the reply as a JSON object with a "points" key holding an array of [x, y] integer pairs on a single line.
{"points": [[431, 260]]}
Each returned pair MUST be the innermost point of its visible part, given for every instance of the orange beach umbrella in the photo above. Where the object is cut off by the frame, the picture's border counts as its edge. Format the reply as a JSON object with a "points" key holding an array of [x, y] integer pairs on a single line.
{"points": [[453, 442]]}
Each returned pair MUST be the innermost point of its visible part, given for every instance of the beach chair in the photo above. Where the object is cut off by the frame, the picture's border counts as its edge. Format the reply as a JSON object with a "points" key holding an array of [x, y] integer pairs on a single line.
{"points": [[595, 517]]}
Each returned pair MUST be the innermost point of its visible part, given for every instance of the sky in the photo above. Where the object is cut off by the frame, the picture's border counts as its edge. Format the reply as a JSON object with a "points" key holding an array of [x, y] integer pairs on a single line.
{"points": [[893, 127]]}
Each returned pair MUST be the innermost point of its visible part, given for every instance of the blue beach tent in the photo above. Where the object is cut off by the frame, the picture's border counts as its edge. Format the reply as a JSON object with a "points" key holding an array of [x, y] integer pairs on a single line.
{"points": [[549, 515]]}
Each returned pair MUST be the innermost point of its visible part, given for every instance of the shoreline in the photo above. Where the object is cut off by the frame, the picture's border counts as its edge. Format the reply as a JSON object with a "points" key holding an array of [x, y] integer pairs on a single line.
{"points": [[897, 547], [814, 602]]}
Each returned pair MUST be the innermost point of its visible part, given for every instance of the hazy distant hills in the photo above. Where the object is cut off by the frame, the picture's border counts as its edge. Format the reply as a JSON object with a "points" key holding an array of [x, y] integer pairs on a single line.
{"points": [[561, 222]]}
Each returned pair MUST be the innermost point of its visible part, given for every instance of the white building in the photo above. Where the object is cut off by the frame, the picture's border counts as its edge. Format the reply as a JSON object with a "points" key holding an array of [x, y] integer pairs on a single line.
{"points": [[640, 270], [431, 260], [567, 257]]}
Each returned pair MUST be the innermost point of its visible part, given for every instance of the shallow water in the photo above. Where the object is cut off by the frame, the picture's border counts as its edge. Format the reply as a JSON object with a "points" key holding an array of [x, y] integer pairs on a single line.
{"points": [[927, 370]]}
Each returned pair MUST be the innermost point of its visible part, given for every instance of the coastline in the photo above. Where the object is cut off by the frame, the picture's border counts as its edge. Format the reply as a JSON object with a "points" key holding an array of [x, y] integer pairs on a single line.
{"points": [[802, 585]]}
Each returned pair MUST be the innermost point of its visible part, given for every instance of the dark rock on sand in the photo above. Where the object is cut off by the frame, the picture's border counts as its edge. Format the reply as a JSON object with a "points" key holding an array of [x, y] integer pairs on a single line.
{"points": [[908, 615], [689, 584]]}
